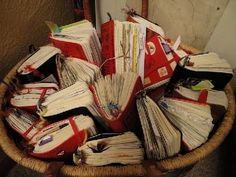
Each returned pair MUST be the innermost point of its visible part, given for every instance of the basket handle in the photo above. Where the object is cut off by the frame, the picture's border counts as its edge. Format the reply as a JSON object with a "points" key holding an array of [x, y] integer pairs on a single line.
{"points": [[88, 12]]}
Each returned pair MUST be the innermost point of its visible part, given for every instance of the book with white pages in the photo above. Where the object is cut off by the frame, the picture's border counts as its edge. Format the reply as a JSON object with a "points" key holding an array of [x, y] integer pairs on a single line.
{"points": [[22, 122], [193, 119], [28, 95], [203, 66], [39, 65], [213, 96], [75, 99], [114, 97], [208, 62], [78, 40], [122, 149], [71, 70], [161, 138], [61, 139]]}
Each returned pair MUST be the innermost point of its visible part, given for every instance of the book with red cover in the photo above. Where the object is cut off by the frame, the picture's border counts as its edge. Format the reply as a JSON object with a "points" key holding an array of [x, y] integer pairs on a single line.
{"points": [[107, 42], [124, 118], [22, 122], [28, 96], [192, 118], [39, 65], [61, 139], [78, 40], [68, 48], [160, 62], [123, 47]]}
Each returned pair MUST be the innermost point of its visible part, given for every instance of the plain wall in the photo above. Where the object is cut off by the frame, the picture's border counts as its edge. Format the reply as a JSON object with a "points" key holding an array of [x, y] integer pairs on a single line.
{"points": [[223, 38], [194, 20], [22, 24]]}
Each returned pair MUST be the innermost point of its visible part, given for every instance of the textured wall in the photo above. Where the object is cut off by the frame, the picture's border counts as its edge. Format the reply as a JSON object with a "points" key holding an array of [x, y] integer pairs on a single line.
{"points": [[194, 20], [22, 23]]}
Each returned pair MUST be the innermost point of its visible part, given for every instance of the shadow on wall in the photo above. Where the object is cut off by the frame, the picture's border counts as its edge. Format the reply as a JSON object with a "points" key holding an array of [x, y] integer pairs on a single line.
{"points": [[22, 24]]}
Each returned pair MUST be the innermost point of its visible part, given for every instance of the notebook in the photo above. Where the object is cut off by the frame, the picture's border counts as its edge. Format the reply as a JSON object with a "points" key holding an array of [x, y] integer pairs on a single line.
{"points": [[217, 100], [39, 65], [72, 69], [206, 66], [114, 97], [121, 149], [212, 97], [123, 47], [193, 119], [160, 62], [61, 139], [78, 40], [161, 138], [73, 100], [28, 96], [22, 122]]}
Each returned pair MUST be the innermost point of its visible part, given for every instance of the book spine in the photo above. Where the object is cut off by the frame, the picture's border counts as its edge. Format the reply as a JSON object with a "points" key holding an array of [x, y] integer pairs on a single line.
{"points": [[107, 38]]}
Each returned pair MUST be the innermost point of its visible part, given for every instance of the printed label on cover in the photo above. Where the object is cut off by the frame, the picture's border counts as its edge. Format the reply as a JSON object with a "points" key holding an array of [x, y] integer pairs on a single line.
{"points": [[162, 71]]}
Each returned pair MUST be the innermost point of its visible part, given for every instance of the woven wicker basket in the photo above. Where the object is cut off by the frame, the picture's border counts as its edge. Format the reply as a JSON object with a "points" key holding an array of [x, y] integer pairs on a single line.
{"points": [[10, 148]]}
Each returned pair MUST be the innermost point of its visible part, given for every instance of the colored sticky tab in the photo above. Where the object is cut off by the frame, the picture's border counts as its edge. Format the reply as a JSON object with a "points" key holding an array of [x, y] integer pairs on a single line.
{"points": [[54, 28], [46, 140], [205, 84], [203, 96]]}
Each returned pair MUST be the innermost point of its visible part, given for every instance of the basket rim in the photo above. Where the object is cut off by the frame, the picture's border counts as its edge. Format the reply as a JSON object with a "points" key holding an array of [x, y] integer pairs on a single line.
{"points": [[9, 147]]}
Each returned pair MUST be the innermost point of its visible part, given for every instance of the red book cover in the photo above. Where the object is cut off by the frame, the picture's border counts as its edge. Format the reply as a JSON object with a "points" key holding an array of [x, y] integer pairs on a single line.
{"points": [[62, 140], [160, 62], [107, 40], [69, 49]]}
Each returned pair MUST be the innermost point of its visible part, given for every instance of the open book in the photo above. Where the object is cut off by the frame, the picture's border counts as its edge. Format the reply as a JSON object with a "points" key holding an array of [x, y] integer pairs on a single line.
{"points": [[78, 40], [161, 138], [193, 119], [123, 149], [29, 95], [114, 96], [22, 122], [61, 139], [38, 65], [71, 70]]}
